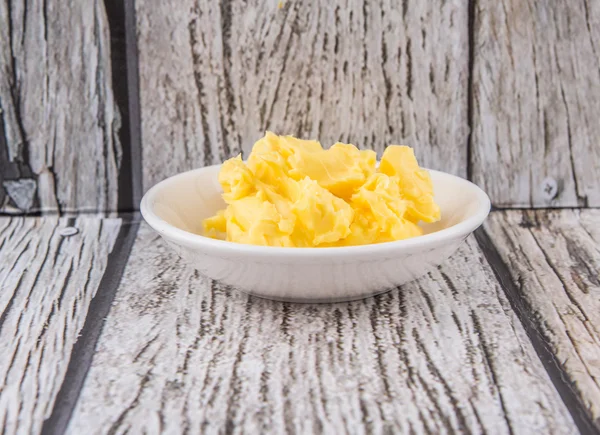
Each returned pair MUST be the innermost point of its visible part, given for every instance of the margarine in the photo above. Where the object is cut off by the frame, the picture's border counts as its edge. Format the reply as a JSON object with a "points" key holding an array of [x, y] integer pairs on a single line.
{"points": [[293, 193]]}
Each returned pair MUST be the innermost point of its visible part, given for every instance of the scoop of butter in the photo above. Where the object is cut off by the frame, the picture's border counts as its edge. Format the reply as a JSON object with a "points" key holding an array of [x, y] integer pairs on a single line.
{"points": [[294, 193]]}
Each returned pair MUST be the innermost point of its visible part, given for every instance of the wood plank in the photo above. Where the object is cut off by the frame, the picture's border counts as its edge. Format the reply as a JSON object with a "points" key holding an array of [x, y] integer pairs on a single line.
{"points": [[444, 354], [536, 102], [59, 123], [554, 257], [46, 284], [215, 75]]}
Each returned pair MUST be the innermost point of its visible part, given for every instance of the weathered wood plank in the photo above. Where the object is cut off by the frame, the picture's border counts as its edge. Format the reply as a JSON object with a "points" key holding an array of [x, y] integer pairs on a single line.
{"points": [[444, 354], [59, 124], [46, 284], [215, 75], [536, 102], [554, 257]]}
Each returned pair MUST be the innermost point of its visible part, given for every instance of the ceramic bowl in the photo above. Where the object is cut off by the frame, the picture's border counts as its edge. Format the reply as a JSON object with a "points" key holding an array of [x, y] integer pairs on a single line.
{"points": [[176, 207]]}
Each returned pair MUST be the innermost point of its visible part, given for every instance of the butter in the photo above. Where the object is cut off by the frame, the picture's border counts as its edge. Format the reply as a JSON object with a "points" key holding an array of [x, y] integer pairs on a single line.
{"points": [[293, 193]]}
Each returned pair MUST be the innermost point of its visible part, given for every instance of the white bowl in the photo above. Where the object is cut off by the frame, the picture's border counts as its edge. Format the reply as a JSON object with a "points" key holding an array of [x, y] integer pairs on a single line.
{"points": [[176, 207]]}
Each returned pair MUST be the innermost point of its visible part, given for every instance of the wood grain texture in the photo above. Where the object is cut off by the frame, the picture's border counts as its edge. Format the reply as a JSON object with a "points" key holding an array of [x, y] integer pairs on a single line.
{"points": [[215, 75], [46, 284], [536, 102], [59, 124], [445, 354], [554, 256]]}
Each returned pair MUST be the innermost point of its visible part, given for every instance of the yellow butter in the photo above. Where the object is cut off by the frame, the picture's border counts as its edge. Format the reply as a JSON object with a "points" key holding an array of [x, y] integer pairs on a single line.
{"points": [[293, 193]]}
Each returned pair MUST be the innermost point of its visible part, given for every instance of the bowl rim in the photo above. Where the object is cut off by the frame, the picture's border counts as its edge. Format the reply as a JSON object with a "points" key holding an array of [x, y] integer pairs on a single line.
{"points": [[186, 238]]}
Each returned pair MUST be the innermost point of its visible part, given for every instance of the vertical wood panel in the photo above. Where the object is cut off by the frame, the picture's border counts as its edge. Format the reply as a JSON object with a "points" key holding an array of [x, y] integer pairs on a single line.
{"points": [[537, 102], [59, 124], [215, 75]]}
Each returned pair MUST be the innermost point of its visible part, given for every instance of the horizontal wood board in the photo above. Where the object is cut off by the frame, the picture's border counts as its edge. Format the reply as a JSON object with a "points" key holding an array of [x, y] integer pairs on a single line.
{"points": [[47, 281], [554, 258], [444, 354]]}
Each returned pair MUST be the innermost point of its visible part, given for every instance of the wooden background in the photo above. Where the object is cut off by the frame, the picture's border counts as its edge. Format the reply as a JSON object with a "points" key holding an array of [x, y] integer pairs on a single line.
{"points": [[99, 100], [503, 92]]}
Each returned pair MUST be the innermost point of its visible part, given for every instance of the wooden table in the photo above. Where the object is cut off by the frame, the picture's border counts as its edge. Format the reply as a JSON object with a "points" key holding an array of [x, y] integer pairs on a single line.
{"points": [[108, 331], [103, 329]]}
